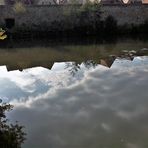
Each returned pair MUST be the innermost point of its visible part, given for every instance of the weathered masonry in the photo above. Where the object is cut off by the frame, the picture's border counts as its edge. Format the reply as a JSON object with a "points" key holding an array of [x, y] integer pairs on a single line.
{"points": [[40, 17]]}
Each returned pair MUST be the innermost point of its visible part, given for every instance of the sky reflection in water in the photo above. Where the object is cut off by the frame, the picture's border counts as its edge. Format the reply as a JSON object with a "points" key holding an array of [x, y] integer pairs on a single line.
{"points": [[96, 107]]}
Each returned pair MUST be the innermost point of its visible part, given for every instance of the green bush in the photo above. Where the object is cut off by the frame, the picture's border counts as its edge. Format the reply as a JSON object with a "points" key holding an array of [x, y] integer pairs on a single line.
{"points": [[11, 135]]}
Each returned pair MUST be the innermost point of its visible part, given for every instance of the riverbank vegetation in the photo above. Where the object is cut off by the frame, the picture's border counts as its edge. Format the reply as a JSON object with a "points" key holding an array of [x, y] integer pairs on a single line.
{"points": [[11, 135]]}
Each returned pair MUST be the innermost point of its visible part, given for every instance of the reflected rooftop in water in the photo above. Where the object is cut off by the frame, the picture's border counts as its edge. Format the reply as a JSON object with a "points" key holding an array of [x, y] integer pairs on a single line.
{"points": [[53, 56]]}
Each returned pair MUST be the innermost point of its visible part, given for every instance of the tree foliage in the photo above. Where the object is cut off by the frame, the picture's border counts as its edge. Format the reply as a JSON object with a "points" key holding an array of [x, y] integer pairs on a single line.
{"points": [[11, 135]]}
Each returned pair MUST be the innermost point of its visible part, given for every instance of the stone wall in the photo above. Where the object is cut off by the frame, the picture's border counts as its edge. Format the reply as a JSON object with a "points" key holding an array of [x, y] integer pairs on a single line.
{"points": [[44, 16], [32, 16], [127, 14]]}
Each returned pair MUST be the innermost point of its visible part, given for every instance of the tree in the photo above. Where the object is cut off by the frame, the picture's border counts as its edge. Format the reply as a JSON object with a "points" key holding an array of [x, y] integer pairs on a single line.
{"points": [[11, 135]]}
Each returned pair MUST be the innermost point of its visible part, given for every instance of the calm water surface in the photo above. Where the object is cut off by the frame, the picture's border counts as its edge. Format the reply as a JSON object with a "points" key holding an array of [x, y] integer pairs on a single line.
{"points": [[78, 96]]}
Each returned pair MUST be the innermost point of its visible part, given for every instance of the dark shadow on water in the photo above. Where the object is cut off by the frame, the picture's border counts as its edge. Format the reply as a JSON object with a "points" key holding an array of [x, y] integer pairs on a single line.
{"points": [[57, 41], [28, 43]]}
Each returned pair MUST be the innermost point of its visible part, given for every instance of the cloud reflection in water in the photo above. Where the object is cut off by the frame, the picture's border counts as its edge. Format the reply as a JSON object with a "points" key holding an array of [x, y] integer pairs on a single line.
{"points": [[98, 107]]}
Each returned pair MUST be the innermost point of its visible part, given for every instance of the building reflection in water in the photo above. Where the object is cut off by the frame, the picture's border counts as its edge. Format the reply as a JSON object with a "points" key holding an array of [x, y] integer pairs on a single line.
{"points": [[75, 66], [82, 108]]}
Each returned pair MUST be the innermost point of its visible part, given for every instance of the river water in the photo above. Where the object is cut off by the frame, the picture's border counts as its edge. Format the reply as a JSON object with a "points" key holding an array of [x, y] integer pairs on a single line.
{"points": [[90, 95]]}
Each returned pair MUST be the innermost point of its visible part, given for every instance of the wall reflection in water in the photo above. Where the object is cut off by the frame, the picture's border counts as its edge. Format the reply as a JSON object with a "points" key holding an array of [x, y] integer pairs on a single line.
{"points": [[94, 107]]}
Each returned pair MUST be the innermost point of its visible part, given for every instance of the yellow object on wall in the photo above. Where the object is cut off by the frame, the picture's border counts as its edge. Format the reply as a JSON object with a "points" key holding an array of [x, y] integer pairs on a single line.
{"points": [[2, 34]]}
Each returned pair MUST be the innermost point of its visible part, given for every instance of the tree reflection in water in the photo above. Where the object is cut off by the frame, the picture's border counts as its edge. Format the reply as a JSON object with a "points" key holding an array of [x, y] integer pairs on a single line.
{"points": [[11, 135], [90, 64], [75, 67]]}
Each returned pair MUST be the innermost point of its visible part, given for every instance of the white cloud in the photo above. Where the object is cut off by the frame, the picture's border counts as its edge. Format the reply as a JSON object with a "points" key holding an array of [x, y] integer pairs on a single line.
{"points": [[108, 103]]}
